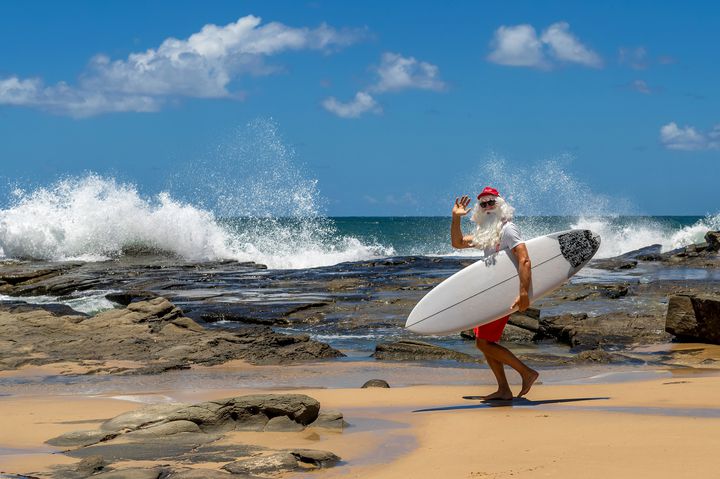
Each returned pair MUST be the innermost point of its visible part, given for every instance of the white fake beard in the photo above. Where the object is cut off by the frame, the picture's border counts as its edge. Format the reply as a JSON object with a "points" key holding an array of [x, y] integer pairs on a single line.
{"points": [[488, 229]]}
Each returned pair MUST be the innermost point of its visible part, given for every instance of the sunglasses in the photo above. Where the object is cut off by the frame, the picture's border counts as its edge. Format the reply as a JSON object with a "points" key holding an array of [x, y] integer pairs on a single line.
{"points": [[485, 204]]}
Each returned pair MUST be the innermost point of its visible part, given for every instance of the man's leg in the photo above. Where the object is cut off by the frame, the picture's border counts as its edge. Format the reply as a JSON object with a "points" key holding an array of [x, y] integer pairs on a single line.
{"points": [[498, 369], [505, 356]]}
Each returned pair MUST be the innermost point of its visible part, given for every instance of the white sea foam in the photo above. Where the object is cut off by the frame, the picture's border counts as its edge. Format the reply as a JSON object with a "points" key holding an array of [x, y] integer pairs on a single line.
{"points": [[246, 201], [627, 234], [90, 304], [548, 188], [95, 218]]}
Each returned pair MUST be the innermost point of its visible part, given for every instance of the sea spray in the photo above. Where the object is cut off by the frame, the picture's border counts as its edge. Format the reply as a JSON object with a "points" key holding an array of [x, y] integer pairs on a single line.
{"points": [[93, 218], [248, 201], [548, 197], [273, 209]]}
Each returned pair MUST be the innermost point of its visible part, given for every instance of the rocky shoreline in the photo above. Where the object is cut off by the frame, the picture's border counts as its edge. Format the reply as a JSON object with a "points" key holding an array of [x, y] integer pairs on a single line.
{"points": [[171, 314]]}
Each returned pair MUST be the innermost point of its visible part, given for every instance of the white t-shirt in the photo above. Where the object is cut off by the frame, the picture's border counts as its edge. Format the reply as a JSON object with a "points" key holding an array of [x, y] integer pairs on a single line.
{"points": [[509, 238]]}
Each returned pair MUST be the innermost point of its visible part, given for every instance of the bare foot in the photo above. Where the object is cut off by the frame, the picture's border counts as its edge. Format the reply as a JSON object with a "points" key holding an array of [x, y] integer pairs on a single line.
{"points": [[527, 381], [498, 395]]}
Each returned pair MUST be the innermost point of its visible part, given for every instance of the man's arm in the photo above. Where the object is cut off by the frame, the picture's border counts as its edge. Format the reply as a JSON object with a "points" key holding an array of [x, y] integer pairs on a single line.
{"points": [[525, 273], [456, 237]]}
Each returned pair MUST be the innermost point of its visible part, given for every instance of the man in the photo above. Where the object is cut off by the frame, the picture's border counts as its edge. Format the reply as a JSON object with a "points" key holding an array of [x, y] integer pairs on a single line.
{"points": [[495, 231]]}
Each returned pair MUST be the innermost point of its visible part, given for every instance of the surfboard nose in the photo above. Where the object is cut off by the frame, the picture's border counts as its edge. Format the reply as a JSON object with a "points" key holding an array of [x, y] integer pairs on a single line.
{"points": [[579, 246]]}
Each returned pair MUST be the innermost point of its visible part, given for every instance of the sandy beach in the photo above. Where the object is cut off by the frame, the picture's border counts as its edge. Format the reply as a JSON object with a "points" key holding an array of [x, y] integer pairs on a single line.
{"points": [[666, 426]]}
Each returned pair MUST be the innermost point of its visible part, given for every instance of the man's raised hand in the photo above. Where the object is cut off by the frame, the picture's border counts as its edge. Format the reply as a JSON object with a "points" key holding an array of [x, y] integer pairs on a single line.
{"points": [[461, 206]]}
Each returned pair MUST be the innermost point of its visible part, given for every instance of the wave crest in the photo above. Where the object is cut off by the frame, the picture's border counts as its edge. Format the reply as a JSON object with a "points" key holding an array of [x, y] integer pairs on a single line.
{"points": [[95, 218]]}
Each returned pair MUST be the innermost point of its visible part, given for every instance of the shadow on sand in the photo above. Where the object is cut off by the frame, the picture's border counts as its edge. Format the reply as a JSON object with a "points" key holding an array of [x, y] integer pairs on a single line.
{"points": [[515, 402]]}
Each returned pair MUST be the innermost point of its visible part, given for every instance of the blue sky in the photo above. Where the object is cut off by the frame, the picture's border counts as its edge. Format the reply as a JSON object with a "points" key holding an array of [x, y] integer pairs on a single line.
{"points": [[394, 107]]}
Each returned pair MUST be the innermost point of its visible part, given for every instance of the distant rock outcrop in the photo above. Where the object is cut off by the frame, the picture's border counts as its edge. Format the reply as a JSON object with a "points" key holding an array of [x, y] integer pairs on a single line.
{"points": [[694, 318]]}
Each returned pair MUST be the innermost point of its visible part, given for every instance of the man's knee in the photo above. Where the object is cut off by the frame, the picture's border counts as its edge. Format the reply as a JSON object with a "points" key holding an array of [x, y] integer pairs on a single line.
{"points": [[482, 344]]}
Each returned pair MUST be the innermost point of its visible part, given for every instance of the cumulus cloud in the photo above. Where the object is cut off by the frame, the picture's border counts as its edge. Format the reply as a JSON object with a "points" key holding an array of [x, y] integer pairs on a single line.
{"points": [[399, 73], [63, 99], [395, 73], [201, 66], [566, 47], [688, 138], [362, 103], [520, 46], [517, 46]]}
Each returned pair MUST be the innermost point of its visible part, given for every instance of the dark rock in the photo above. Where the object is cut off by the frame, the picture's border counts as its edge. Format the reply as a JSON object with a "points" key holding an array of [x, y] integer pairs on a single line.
{"points": [[315, 457], [613, 264], [407, 350], [594, 356], [178, 447], [270, 464], [613, 291], [29, 273], [200, 474], [131, 473], [646, 252], [331, 419], [468, 334], [127, 297], [91, 465], [81, 438], [55, 309], [713, 240], [528, 319], [583, 332], [694, 318], [375, 383], [514, 334]]}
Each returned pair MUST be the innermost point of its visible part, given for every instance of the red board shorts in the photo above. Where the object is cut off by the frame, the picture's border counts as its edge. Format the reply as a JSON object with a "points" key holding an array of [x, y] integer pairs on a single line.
{"points": [[491, 331]]}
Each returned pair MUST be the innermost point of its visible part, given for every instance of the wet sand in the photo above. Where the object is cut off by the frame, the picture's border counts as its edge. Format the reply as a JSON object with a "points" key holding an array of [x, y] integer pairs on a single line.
{"points": [[646, 423]]}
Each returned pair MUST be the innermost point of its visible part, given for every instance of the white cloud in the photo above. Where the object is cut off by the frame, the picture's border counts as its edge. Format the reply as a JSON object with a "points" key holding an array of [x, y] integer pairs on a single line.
{"points": [[201, 66], [641, 86], [399, 73], [520, 46], [65, 100], [688, 138], [566, 47], [517, 46], [395, 73], [362, 103]]}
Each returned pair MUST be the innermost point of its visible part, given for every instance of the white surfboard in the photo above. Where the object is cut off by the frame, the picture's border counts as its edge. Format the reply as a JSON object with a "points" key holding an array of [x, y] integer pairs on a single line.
{"points": [[485, 290]]}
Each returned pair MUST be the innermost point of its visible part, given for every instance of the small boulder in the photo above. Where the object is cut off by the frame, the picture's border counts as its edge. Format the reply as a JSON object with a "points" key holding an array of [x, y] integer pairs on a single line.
{"points": [[375, 383], [713, 240], [694, 318], [315, 457]]}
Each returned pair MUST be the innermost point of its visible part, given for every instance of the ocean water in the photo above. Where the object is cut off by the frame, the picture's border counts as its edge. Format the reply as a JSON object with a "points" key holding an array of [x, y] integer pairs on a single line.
{"points": [[224, 206], [95, 218]]}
